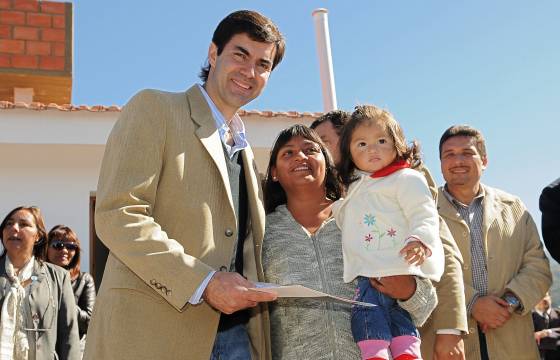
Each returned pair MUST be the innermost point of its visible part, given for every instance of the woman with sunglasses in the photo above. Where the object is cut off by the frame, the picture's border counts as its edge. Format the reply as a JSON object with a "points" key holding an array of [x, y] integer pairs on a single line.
{"points": [[64, 251], [37, 308]]}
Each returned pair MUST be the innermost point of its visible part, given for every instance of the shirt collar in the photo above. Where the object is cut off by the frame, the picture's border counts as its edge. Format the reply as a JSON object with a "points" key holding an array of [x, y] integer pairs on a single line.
{"points": [[456, 203], [547, 311], [237, 127]]}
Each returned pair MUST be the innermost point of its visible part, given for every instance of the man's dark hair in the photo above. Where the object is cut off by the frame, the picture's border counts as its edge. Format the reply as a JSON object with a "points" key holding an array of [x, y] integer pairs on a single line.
{"points": [[256, 26], [464, 130], [337, 118]]}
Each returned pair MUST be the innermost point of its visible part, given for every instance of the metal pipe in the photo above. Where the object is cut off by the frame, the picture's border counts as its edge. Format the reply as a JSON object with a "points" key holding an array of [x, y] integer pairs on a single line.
{"points": [[320, 19]]}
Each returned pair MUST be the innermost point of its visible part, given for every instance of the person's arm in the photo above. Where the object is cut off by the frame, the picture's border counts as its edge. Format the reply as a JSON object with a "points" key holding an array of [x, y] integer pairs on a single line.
{"points": [[451, 310], [415, 295], [67, 338], [419, 208], [449, 319], [422, 302], [84, 307], [534, 278]]}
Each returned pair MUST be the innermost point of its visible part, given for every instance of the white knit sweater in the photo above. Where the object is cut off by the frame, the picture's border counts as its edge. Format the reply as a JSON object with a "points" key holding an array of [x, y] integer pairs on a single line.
{"points": [[378, 217]]}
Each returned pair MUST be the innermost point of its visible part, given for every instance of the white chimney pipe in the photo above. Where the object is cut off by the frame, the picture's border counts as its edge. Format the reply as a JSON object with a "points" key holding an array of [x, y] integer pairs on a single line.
{"points": [[321, 21]]}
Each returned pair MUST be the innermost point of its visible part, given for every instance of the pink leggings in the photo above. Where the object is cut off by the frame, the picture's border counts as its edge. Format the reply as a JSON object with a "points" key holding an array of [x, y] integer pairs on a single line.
{"points": [[400, 345]]}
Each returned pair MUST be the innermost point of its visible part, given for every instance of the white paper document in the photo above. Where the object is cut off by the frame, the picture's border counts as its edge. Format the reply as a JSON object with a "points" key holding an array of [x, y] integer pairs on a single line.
{"points": [[299, 291]]}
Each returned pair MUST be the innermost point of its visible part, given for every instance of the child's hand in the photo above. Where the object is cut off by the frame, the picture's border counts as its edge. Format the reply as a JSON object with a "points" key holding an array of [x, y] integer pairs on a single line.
{"points": [[415, 253]]}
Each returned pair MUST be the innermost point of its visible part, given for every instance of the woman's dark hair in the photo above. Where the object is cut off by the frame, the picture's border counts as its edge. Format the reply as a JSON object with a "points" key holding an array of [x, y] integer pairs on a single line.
{"points": [[370, 114], [274, 194], [258, 27], [65, 234], [40, 247]]}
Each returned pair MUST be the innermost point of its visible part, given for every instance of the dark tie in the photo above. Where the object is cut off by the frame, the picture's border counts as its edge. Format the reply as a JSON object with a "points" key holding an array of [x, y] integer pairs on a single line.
{"points": [[546, 317]]}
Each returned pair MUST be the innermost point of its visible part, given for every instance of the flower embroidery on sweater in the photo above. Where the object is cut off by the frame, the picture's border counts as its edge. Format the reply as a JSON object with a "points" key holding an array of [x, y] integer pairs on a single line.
{"points": [[372, 240], [369, 219]]}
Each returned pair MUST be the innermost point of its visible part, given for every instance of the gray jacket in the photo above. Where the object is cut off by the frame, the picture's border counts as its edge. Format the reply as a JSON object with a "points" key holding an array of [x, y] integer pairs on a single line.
{"points": [[51, 302]]}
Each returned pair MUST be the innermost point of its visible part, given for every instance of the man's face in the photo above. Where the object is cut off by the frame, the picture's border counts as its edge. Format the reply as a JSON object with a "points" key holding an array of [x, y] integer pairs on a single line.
{"points": [[328, 134], [461, 163], [239, 73]]}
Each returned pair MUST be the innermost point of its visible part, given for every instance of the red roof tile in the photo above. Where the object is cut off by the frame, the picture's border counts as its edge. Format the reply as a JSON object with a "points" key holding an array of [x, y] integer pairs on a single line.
{"points": [[6, 105]]}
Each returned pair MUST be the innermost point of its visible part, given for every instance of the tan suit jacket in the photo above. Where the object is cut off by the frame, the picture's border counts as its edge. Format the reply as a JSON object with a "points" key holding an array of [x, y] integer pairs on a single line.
{"points": [[450, 312], [515, 261], [165, 211]]}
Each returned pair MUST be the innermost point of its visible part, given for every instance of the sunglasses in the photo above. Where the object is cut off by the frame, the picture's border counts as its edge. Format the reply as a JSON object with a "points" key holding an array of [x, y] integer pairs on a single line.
{"points": [[59, 245]]}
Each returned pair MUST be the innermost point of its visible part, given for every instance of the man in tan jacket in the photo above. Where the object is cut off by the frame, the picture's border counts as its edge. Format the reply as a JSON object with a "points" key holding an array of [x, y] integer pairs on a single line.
{"points": [[180, 209], [505, 270]]}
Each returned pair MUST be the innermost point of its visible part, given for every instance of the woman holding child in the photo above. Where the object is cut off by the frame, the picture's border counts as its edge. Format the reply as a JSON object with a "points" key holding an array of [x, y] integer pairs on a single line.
{"points": [[302, 245]]}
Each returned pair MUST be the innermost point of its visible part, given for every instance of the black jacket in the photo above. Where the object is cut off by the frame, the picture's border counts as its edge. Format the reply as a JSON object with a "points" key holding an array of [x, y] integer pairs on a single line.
{"points": [[549, 204], [548, 345], [84, 293]]}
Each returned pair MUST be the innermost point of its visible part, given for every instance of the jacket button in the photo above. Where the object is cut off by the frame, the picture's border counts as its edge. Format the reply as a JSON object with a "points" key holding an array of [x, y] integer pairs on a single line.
{"points": [[223, 268], [229, 232]]}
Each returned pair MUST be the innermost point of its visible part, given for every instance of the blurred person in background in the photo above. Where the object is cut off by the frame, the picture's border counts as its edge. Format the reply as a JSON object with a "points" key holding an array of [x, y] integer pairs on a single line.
{"points": [[546, 320], [64, 250]]}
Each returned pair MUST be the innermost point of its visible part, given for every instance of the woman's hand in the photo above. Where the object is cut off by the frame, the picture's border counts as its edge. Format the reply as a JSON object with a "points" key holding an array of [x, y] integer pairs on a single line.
{"points": [[400, 287]]}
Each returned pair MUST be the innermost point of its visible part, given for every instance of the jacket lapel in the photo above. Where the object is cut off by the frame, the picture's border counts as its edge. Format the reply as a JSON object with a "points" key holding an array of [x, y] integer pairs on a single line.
{"points": [[38, 280], [208, 134], [448, 212], [491, 210], [256, 206]]}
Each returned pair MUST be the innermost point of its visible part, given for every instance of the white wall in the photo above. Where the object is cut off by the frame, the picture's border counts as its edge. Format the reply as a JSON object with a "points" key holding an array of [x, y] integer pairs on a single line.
{"points": [[22, 126], [56, 178]]}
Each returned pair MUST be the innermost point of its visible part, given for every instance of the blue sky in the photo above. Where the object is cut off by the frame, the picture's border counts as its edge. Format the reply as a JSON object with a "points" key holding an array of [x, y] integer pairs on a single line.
{"points": [[492, 64]]}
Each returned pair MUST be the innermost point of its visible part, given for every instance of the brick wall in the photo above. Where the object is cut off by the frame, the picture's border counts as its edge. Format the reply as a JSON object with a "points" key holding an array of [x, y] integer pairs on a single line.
{"points": [[35, 36]]}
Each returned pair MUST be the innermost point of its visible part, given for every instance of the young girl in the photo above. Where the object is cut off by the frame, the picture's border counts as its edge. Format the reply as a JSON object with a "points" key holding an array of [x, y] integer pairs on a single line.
{"points": [[390, 226]]}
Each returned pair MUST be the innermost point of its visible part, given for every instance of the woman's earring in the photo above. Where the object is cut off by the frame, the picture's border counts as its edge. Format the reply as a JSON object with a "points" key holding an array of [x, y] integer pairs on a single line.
{"points": [[274, 178]]}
